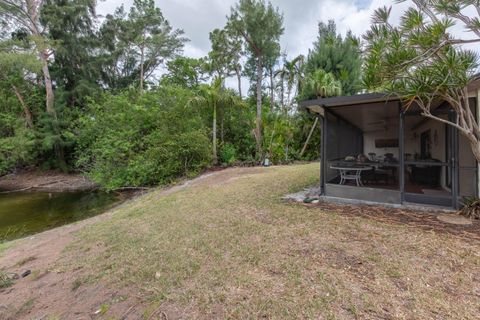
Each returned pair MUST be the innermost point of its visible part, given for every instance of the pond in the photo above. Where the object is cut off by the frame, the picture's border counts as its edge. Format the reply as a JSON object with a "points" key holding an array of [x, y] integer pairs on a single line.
{"points": [[26, 213]]}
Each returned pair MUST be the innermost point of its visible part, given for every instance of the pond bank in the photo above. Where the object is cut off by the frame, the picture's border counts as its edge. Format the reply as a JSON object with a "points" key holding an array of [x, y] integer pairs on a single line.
{"points": [[47, 181]]}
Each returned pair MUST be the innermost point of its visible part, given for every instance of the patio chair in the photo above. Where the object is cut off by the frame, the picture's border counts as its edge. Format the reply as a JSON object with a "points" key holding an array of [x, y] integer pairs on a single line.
{"points": [[372, 156]]}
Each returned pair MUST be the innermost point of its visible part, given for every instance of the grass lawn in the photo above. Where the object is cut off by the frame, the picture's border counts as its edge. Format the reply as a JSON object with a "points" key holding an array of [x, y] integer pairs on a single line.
{"points": [[227, 246]]}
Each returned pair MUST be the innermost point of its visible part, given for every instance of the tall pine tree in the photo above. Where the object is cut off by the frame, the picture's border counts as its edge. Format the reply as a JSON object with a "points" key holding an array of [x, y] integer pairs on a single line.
{"points": [[337, 55]]}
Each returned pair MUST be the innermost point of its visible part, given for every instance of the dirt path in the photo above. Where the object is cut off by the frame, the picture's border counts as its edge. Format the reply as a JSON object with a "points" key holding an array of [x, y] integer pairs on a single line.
{"points": [[50, 291]]}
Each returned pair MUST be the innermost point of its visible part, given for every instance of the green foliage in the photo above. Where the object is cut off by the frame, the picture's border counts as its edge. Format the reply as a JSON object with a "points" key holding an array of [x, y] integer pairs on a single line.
{"points": [[185, 72], [471, 207], [55, 139], [260, 25], [290, 78], [70, 27], [17, 148], [228, 154], [226, 52], [337, 55], [285, 135], [131, 140], [321, 84], [421, 61], [5, 280], [108, 116], [135, 45]]}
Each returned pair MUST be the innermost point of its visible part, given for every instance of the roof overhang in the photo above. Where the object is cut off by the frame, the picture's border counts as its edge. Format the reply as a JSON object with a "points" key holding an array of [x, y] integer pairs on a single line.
{"points": [[318, 105]]}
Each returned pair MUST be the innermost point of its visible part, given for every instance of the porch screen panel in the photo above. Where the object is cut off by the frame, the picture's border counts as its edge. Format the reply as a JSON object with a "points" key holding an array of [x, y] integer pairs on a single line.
{"points": [[343, 140]]}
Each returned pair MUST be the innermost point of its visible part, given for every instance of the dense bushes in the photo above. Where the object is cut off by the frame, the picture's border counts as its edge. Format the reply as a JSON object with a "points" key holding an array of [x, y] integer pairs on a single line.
{"points": [[131, 140], [128, 139], [17, 148]]}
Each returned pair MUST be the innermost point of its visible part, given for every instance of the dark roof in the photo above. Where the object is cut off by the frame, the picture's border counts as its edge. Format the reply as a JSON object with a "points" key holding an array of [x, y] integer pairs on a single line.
{"points": [[349, 100], [366, 98]]}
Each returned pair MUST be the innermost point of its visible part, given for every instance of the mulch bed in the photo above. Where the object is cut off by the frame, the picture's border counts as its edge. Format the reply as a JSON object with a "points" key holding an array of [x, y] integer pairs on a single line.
{"points": [[420, 219]]}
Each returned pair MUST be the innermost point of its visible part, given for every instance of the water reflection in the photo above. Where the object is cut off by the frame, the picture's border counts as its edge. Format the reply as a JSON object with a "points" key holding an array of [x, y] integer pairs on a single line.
{"points": [[27, 213]]}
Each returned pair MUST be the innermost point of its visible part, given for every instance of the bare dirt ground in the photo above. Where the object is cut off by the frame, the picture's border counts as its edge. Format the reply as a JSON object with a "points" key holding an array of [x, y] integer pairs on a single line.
{"points": [[225, 245], [49, 181]]}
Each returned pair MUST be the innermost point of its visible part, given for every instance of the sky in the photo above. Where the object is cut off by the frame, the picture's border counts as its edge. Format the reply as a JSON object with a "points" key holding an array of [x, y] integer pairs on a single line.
{"points": [[198, 17], [301, 17]]}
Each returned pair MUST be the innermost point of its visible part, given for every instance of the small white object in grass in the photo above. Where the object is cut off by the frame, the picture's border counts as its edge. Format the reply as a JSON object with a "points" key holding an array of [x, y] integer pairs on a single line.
{"points": [[157, 275], [315, 201]]}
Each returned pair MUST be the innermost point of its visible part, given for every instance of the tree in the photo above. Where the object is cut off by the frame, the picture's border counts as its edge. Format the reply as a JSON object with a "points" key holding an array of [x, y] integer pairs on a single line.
{"points": [[336, 54], [70, 28], [318, 85], [422, 62], [270, 66], [185, 72], [16, 65], [25, 15], [291, 75], [214, 96], [134, 46], [321, 84], [260, 25], [226, 54], [152, 35]]}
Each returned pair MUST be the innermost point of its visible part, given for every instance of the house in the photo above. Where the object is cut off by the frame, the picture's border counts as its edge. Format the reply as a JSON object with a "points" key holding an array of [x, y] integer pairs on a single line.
{"points": [[373, 150]]}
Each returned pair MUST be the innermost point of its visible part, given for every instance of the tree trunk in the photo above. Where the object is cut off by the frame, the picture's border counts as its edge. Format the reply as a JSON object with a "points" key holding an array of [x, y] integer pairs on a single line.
{"points": [[309, 137], [239, 79], [141, 68], [258, 128], [272, 96], [287, 106], [26, 110], [50, 97], [475, 146], [214, 134], [282, 101], [222, 131]]}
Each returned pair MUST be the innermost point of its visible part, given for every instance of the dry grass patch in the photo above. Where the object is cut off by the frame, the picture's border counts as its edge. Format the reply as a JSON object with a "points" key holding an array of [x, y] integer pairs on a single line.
{"points": [[229, 247]]}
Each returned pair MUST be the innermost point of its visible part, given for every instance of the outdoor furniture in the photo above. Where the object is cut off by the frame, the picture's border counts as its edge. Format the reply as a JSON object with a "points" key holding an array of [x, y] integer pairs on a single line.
{"points": [[372, 156], [351, 173]]}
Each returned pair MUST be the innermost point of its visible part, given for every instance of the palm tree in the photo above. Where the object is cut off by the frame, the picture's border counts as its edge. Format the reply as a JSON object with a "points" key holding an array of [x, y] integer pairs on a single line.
{"points": [[214, 96], [291, 75], [322, 84]]}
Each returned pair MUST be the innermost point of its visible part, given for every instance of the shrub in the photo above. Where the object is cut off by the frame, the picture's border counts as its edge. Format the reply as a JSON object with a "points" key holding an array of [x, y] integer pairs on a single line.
{"points": [[130, 140], [17, 148], [471, 207], [228, 154]]}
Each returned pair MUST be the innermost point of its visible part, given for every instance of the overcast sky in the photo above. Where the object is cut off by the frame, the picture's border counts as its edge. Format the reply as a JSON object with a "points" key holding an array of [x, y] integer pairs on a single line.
{"points": [[198, 17]]}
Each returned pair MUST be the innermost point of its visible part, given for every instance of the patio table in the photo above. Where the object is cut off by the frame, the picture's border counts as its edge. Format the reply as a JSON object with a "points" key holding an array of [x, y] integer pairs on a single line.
{"points": [[351, 173]]}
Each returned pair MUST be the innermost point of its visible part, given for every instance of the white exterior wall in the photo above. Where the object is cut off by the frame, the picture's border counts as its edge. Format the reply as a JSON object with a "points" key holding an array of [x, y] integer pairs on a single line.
{"points": [[391, 132], [437, 136]]}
